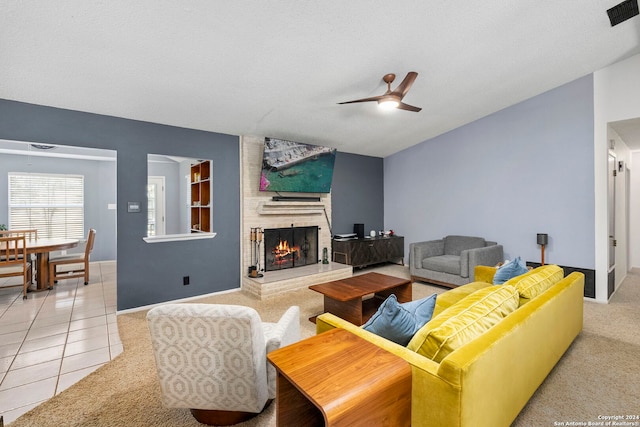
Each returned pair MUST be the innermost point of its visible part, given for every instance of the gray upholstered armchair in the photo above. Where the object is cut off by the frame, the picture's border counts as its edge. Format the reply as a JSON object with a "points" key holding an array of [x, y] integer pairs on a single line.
{"points": [[451, 261], [212, 358]]}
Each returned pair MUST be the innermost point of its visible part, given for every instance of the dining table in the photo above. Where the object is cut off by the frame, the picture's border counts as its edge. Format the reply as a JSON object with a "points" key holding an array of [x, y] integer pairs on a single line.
{"points": [[42, 247]]}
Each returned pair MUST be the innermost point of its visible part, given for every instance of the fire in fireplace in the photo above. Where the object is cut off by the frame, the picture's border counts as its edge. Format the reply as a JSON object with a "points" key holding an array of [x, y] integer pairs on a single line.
{"points": [[290, 247]]}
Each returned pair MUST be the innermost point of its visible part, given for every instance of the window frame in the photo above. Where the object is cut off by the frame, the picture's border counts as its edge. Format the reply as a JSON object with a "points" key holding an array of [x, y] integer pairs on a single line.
{"points": [[46, 200]]}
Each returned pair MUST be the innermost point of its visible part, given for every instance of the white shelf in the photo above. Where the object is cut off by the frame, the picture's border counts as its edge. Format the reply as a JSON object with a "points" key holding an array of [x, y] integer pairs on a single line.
{"points": [[291, 208], [178, 237]]}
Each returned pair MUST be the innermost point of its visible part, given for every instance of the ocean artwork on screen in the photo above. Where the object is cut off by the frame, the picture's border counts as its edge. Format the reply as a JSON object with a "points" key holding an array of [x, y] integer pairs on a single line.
{"points": [[289, 166]]}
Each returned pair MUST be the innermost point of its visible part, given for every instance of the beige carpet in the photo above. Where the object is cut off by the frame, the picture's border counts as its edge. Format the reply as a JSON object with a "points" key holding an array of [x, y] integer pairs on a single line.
{"points": [[598, 375]]}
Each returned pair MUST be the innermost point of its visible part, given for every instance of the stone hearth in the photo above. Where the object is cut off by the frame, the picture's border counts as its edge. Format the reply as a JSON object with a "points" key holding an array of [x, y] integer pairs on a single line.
{"points": [[275, 283]]}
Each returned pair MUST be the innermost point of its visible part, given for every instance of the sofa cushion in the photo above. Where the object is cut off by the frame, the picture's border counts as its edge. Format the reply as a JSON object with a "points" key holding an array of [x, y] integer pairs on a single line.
{"points": [[510, 270], [399, 322], [453, 245], [464, 321], [536, 281], [443, 263], [484, 273], [452, 296]]}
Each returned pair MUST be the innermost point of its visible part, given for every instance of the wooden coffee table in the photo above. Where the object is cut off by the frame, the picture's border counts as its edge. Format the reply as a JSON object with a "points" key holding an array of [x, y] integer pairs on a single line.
{"points": [[339, 379], [346, 297]]}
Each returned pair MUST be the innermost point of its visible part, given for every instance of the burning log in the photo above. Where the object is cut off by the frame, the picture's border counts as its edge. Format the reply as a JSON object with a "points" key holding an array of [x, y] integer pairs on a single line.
{"points": [[284, 253]]}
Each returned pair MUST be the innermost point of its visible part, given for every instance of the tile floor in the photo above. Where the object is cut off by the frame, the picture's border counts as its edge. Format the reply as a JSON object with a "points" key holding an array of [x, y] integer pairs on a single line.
{"points": [[55, 338]]}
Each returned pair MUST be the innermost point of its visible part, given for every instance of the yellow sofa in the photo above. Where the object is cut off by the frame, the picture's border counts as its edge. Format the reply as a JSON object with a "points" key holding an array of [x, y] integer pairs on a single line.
{"points": [[487, 381]]}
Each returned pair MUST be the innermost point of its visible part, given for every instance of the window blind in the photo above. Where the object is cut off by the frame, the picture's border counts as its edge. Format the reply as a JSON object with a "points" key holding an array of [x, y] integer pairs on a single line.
{"points": [[52, 203]]}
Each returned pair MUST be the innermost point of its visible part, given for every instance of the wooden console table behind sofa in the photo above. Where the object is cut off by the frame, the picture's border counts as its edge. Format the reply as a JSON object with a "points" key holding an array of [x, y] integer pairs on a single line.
{"points": [[339, 379]]}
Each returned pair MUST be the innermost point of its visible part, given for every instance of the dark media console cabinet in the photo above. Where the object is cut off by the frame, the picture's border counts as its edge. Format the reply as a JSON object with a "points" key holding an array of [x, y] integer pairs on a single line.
{"points": [[367, 251]]}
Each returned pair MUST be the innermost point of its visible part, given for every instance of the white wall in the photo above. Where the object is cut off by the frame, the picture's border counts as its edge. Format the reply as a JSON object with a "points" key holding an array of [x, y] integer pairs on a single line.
{"points": [[524, 170], [616, 97], [634, 208]]}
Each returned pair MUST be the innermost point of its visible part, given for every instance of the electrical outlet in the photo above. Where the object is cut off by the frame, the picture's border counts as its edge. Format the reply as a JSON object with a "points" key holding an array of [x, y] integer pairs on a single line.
{"points": [[185, 280]]}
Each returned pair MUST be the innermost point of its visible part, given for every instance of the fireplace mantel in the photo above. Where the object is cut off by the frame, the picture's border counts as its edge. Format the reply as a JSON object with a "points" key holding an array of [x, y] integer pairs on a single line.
{"points": [[291, 208]]}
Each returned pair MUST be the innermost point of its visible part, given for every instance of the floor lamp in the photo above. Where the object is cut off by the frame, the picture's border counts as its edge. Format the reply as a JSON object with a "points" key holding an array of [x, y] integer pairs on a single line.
{"points": [[543, 239]]}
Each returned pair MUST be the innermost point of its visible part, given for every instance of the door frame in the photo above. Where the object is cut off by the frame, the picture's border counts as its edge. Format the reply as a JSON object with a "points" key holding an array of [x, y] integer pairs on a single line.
{"points": [[159, 183]]}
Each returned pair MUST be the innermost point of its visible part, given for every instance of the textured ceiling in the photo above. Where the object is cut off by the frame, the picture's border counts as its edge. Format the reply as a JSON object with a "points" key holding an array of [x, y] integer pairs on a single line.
{"points": [[279, 68]]}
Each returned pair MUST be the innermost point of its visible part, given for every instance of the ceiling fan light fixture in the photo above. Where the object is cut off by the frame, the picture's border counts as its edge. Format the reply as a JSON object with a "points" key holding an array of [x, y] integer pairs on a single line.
{"points": [[388, 104], [392, 99]]}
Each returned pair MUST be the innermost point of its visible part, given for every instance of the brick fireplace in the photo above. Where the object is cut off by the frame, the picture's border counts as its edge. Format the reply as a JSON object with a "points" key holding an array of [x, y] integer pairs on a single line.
{"points": [[260, 211]]}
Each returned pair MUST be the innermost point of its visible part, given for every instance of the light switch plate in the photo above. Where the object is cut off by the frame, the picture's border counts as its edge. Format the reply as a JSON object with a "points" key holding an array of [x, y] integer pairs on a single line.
{"points": [[133, 206]]}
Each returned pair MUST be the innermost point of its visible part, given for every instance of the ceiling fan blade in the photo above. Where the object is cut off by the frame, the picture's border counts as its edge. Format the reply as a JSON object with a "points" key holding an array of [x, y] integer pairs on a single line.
{"points": [[403, 106], [373, 98], [404, 87]]}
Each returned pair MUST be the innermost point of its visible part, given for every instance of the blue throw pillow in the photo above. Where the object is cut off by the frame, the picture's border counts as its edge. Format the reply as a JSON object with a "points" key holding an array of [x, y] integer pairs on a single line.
{"points": [[509, 270], [422, 310], [399, 322]]}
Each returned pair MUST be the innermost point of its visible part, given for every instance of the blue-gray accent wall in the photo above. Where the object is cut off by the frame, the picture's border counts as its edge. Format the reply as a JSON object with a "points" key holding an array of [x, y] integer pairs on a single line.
{"points": [[152, 273], [523, 170], [149, 273], [357, 193]]}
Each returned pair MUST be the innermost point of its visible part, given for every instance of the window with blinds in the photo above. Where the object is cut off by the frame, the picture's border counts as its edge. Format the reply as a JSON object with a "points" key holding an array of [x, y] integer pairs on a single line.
{"points": [[52, 203]]}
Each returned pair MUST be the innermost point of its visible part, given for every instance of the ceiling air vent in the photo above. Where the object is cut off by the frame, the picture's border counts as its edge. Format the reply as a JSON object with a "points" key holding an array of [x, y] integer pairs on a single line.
{"points": [[623, 11]]}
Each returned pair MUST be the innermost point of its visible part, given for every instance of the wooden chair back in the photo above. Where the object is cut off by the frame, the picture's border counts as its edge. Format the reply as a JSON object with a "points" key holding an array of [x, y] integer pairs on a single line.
{"points": [[28, 233], [13, 259], [90, 239], [55, 275]]}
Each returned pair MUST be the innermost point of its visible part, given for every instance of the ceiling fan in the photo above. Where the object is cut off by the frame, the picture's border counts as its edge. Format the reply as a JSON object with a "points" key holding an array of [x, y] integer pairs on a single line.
{"points": [[393, 99]]}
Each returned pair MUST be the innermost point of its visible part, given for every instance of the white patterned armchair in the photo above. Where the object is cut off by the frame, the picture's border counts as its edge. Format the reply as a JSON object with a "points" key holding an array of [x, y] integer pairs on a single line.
{"points": [[212, 359]]}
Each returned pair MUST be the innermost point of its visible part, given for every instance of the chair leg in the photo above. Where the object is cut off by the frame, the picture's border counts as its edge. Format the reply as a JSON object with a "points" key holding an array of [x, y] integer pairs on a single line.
{"points": [[225, 418], [32, 269], [221, 418]]}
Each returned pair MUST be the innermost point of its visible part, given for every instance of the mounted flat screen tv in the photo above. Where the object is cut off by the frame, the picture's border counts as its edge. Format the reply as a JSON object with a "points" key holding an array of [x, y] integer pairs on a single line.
{"points": [[295, 167]]}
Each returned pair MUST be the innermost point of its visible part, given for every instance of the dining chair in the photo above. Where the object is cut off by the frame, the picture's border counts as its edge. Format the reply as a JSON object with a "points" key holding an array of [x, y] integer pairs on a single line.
{"points": [[83, 258], [29, 234], [13, 260]]}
